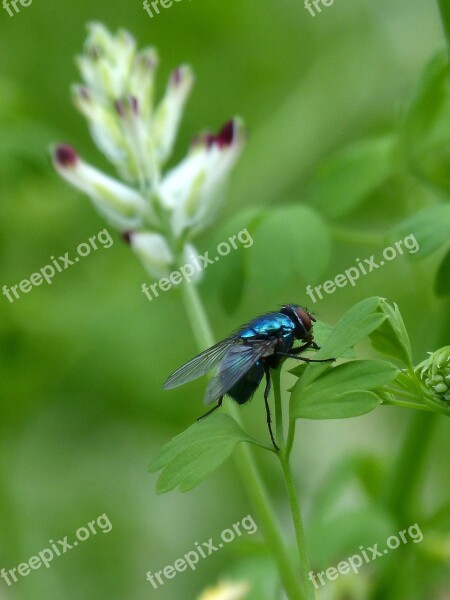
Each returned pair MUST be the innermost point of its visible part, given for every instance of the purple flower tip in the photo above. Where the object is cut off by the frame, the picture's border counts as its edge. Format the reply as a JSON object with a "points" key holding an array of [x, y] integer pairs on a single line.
{"points": [[177, 76], [126, 236], [134, 105], [118, 105], [66, 156], [84, 92], [225, 136]]}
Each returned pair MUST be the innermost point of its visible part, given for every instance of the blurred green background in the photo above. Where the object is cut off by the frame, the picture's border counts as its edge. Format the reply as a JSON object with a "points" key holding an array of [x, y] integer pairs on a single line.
{"points": [[83, 360]]}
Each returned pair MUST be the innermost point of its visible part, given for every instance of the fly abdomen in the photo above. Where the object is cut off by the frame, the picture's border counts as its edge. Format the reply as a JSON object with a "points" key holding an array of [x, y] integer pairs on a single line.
{"points": [[243, 390]]}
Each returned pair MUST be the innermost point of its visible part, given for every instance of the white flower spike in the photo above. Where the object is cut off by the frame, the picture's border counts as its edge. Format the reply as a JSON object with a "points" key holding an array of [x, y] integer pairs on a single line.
{"points": [[157, 212]]}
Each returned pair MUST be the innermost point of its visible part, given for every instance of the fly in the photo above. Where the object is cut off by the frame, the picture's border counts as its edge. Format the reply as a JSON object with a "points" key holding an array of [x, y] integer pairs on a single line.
{"points": [[247, 355]]}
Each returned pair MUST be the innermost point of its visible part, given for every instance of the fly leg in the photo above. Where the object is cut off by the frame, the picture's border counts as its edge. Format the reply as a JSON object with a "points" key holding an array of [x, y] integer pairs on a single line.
{"points": [[308, 360], [212, 409], [305, 347], [266, 402]]}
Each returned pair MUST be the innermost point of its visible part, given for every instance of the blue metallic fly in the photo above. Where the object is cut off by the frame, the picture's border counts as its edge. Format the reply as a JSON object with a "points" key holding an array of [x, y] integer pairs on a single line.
{"points": [[244, 357]]}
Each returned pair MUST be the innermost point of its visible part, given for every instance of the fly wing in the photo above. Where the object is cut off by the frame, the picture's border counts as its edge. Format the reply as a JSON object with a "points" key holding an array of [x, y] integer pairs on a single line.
{"points": [[199, 365], [237, 361]]}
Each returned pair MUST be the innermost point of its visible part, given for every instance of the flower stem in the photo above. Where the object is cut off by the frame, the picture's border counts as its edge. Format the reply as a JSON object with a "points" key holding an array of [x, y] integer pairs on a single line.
{"points": [[298, 524], [406, 404], [245, 462], [291, 489]]}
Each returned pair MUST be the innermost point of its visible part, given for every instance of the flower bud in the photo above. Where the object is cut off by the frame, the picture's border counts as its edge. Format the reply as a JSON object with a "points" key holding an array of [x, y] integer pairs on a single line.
{"points": [[192, 191], [121, 205], [169, 111], [153, 251], [434, 372], [142, 80]]}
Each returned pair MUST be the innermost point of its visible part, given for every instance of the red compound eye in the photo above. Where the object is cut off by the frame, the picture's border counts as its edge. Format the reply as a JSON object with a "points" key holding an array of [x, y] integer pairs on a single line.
{"points": [[304, 317]]}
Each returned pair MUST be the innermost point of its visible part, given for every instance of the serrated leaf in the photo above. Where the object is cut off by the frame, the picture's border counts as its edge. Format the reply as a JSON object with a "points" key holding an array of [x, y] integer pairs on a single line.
{"points": [[348, 177], [430, 227], [391, 337], [442, 283], [194, 454], [341, 391]]}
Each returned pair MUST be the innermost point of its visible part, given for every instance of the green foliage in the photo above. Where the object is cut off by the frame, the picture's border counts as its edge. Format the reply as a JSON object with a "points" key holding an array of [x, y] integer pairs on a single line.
{"points": [[349, 176], [431, 228], [427, 103], [295, 238], [194, 454], [391, 337], [341, 392], [442, 283], [354, 325]]}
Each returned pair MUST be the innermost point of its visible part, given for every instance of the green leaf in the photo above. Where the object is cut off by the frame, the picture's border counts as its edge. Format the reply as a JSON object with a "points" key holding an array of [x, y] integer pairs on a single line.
{"points": [[442, 283], [194, 454], [348, 177], [323, 332], [354, 325], [339, 406], [391, 337], [229, 276], [427, 102], [292, 244], [341, 392], [430, 227]]}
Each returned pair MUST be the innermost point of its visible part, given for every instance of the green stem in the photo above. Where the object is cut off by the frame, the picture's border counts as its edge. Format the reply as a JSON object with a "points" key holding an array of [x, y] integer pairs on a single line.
{"points": [[404, 404], [290, 485], [444, 8], [245, 462], [298, 524]]}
